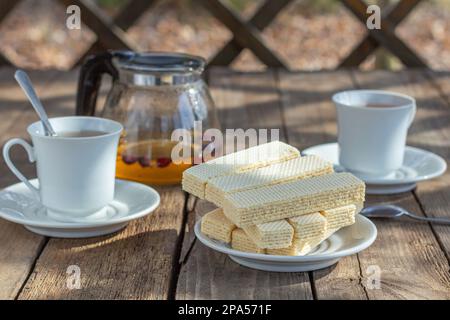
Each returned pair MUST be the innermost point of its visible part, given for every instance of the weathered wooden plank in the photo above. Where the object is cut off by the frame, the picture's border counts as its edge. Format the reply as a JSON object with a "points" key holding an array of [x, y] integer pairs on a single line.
{"points": [[191, 202], [135, 263], [18, 251], [201, 207], [386, 36], [244, 101], [368, 45], [433, 133], [441, 80], [245, 34], [19, 248], [411, 259], [310, 119], [212, 275], [247, 100], [408, 256], [261, 19]]}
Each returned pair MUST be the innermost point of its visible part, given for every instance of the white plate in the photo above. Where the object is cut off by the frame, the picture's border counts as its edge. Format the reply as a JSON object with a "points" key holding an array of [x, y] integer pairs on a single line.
{"points": [[132, 200], [345, 242], [418, 165]]}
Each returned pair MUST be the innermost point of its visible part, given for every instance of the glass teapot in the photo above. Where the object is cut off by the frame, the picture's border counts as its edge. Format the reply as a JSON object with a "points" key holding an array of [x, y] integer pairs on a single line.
{"points": [[152, 94]]}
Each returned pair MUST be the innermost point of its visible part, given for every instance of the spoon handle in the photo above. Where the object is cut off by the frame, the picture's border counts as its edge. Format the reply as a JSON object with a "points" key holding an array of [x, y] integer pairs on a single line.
{"points": [[25, 83], [429, 219]]}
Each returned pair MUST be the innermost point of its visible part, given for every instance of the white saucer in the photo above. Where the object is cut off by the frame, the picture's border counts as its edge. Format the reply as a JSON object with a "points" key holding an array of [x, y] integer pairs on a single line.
{"points": [[132, 200], [345, 242], [418, 165]]}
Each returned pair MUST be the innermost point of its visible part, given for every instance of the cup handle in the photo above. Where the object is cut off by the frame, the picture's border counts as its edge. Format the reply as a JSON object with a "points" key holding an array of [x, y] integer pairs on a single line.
{"points": [[31, 157]]}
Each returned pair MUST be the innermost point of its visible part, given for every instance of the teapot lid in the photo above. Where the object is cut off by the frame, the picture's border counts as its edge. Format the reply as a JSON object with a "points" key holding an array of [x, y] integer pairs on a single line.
{"points": [[158, 62]]}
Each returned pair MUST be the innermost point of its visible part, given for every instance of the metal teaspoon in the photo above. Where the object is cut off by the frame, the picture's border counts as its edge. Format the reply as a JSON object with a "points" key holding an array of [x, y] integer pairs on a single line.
{"points": [[392, 211], [25, 83]]}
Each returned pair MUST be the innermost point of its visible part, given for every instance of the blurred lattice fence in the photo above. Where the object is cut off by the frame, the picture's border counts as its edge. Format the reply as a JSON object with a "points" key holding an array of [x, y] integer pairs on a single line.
{"points": [[111, 32]]}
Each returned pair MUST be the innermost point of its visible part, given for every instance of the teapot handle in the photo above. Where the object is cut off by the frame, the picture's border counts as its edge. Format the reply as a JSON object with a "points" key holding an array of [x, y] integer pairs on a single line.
{"points": [[89, 81]]}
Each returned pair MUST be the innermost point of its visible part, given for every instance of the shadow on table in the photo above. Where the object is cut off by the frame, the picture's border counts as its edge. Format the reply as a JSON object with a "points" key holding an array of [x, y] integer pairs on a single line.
{"points": [[118, 266]]}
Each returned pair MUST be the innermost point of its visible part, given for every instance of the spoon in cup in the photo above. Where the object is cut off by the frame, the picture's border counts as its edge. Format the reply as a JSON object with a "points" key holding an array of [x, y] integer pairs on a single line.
{"points": [[25, 83], [392, 211]]}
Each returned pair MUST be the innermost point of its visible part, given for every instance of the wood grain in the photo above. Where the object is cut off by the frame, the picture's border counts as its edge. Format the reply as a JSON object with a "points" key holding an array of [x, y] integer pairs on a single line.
{"points": [[310, 119], [432, 132], [441, 80], [135, 263], [412, 262], [247, 100], [19, 250], [201, 208], [243, 101]]}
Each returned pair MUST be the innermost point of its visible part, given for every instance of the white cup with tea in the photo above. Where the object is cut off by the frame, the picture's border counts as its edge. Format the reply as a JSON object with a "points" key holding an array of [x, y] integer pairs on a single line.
{"points": [[75, 169], [372, 130]]}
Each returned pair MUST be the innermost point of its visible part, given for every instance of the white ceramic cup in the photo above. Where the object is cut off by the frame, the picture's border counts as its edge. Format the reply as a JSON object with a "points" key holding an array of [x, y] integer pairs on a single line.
{"points": [[372, 139], [76, 174]]}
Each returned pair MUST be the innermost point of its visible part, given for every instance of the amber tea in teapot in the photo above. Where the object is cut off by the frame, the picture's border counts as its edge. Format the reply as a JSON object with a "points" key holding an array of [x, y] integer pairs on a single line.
{"points": [[152, 95], [134, 162]]}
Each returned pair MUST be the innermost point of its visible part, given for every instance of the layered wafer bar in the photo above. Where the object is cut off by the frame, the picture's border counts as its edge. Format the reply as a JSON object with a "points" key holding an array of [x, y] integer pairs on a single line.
{"points": [[292, 199], [280, 233], [342, 216], [195, 178], [215, 225], [301, 247], [242, 242], [309, 226], [271, 235], [294, 169]]}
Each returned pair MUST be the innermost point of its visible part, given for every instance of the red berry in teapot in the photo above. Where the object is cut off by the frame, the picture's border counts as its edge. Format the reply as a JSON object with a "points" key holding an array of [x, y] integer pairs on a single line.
{"points": [[144, 161], [163, 162], [129, 159]]}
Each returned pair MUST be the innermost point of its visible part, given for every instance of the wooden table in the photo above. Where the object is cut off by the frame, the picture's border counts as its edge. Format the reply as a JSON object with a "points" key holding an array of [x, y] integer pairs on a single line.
{"points": [[157, 257]]}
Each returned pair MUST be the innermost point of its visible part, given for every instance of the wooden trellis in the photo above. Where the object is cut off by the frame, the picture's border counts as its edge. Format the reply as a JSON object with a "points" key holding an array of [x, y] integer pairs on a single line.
{"points": [[246, 34]]}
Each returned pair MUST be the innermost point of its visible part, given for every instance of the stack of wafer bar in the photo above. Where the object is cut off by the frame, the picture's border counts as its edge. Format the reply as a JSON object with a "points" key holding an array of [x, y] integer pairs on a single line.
{"points": [[290, 170], [195, 178], [274, 201], [293, 236], [294, 198]]}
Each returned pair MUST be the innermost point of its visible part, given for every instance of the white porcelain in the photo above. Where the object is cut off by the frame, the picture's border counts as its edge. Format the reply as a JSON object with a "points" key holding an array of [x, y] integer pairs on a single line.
{"points": [[132, 200], [76, 174], [372, 140], [345, 242], [418, 165]]}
